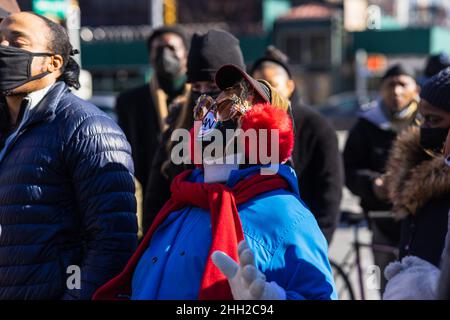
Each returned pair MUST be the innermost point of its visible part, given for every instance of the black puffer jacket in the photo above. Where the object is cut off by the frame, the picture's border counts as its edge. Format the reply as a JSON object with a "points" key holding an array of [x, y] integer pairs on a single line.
{"points": [[66, 199]]}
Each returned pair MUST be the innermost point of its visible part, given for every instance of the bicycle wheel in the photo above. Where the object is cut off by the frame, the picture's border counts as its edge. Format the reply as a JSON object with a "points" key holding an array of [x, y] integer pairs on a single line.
{"points": [[342, 283]]}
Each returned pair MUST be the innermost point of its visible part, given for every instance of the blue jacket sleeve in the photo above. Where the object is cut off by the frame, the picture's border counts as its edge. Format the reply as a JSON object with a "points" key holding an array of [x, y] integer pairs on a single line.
{"points": [[306, 272], [101, 168]]}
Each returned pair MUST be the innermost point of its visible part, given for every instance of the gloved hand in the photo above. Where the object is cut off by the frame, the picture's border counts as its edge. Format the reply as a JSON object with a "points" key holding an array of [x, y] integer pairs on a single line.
{"points": [[246, 281], [411, 279]]}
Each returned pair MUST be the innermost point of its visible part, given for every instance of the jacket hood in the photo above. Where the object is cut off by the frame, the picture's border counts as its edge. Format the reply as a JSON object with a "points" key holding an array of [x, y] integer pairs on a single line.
{"points": [[414, 178]]}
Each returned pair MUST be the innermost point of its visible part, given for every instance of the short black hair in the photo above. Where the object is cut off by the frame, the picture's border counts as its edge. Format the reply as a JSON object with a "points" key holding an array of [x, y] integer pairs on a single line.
{"points": [[59, 44], [399, 69], [179, 31]]}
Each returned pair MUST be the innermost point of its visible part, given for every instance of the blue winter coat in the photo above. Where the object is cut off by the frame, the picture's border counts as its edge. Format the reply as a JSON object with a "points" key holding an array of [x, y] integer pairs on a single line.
{"points": [[66, 199], [289, 247]]}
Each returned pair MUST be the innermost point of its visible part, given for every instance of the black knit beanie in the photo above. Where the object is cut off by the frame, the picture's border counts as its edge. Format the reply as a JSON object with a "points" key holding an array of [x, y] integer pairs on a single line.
{"points": [[211, 51], [436, 63], [436, 91]]}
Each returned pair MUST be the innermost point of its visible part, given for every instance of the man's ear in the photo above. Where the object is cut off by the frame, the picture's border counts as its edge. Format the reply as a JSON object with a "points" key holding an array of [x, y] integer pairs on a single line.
{"points": [[56, 63]]}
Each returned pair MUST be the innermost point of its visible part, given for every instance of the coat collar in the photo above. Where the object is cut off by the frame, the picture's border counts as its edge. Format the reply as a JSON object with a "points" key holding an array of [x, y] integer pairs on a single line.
{"points": [[46, 108], [414, 178], [43, 103]]}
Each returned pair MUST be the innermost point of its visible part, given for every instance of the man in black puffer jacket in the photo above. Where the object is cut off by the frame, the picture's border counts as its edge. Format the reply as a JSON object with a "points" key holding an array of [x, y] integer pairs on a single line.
{"points": [[67, 204]]}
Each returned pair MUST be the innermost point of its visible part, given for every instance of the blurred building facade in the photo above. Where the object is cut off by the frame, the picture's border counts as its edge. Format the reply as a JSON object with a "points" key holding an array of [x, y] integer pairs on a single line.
{"points": [[320, 37], [389, 32]]}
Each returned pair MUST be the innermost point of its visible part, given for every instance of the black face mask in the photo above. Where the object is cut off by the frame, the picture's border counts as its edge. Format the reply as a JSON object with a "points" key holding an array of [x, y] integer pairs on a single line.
{"points": [[167, 64], [15, 67], [433, 138]]}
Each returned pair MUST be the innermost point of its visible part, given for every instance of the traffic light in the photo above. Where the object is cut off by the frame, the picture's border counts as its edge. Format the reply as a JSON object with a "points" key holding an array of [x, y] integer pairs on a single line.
{"points": [[170, 12]]}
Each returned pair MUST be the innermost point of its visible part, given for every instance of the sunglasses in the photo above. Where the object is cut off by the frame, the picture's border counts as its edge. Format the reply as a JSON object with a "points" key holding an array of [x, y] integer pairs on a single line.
{"points": [[232, 103]]}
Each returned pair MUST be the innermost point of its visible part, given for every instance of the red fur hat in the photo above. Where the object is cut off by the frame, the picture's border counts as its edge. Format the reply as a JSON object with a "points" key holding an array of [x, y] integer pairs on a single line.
{"points": [[262, 116], [265, 116]]}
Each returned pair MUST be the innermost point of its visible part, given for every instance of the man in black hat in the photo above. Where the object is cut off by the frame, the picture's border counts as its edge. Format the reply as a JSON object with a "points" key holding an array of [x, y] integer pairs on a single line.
{"points": [[208, 52], [142, 111], [367, 150]]}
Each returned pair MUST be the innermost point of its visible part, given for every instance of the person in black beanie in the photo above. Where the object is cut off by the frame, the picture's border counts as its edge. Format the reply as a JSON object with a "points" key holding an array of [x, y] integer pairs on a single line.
{"points": [[418, 180], [208, 52], [367, 150]]}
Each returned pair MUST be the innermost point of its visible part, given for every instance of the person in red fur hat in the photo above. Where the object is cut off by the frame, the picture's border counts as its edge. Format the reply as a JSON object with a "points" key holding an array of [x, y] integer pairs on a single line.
{"points": [[235, 227]]}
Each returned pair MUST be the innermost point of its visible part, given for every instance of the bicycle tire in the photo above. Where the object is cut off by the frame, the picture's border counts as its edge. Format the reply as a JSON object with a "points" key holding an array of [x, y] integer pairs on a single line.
{"points": [[339, 273]]}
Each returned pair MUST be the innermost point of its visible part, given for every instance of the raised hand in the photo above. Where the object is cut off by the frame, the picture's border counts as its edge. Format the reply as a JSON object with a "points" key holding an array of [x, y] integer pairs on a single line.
{"points": [[246, 281]]}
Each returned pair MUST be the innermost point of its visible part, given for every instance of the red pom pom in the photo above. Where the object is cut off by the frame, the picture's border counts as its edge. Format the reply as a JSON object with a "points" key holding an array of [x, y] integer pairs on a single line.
{"points": [[265, 116]]}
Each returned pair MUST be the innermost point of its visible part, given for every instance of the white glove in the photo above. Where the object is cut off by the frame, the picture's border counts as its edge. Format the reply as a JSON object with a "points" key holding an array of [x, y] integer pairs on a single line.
{"points": [[246, 281], [411, 279]]}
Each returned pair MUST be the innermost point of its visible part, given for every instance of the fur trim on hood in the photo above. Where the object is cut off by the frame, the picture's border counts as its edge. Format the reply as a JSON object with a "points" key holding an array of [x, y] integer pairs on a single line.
{"points": [[413, 177]]}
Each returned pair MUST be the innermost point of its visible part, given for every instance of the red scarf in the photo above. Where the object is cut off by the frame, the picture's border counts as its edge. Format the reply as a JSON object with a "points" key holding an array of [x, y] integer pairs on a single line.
{"points": [[221, 202]]}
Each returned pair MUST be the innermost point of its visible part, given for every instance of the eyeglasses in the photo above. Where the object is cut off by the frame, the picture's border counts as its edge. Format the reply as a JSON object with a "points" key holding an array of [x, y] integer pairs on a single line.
{"points": [[231, 103]]}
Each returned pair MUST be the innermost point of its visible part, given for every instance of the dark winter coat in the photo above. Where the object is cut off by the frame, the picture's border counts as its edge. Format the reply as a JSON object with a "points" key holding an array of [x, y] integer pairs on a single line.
{"points": [[162, 170], [66, 201], [419, 187], [318, 165], [138, 118], [142, 116], [365, 155]]}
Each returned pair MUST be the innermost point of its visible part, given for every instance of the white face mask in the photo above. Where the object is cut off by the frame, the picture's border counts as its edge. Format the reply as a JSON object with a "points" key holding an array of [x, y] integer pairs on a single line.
{"points": [[219, 173]]}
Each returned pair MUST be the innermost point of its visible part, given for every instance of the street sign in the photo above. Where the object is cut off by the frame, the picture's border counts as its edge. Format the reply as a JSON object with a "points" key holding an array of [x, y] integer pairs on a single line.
{"points": [[53, 8]]}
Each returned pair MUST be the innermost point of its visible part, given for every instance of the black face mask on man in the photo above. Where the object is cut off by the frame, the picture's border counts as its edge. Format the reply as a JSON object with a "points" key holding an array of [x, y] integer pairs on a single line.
{"points": [[167, 64], [15, 68], [433, 139]]}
